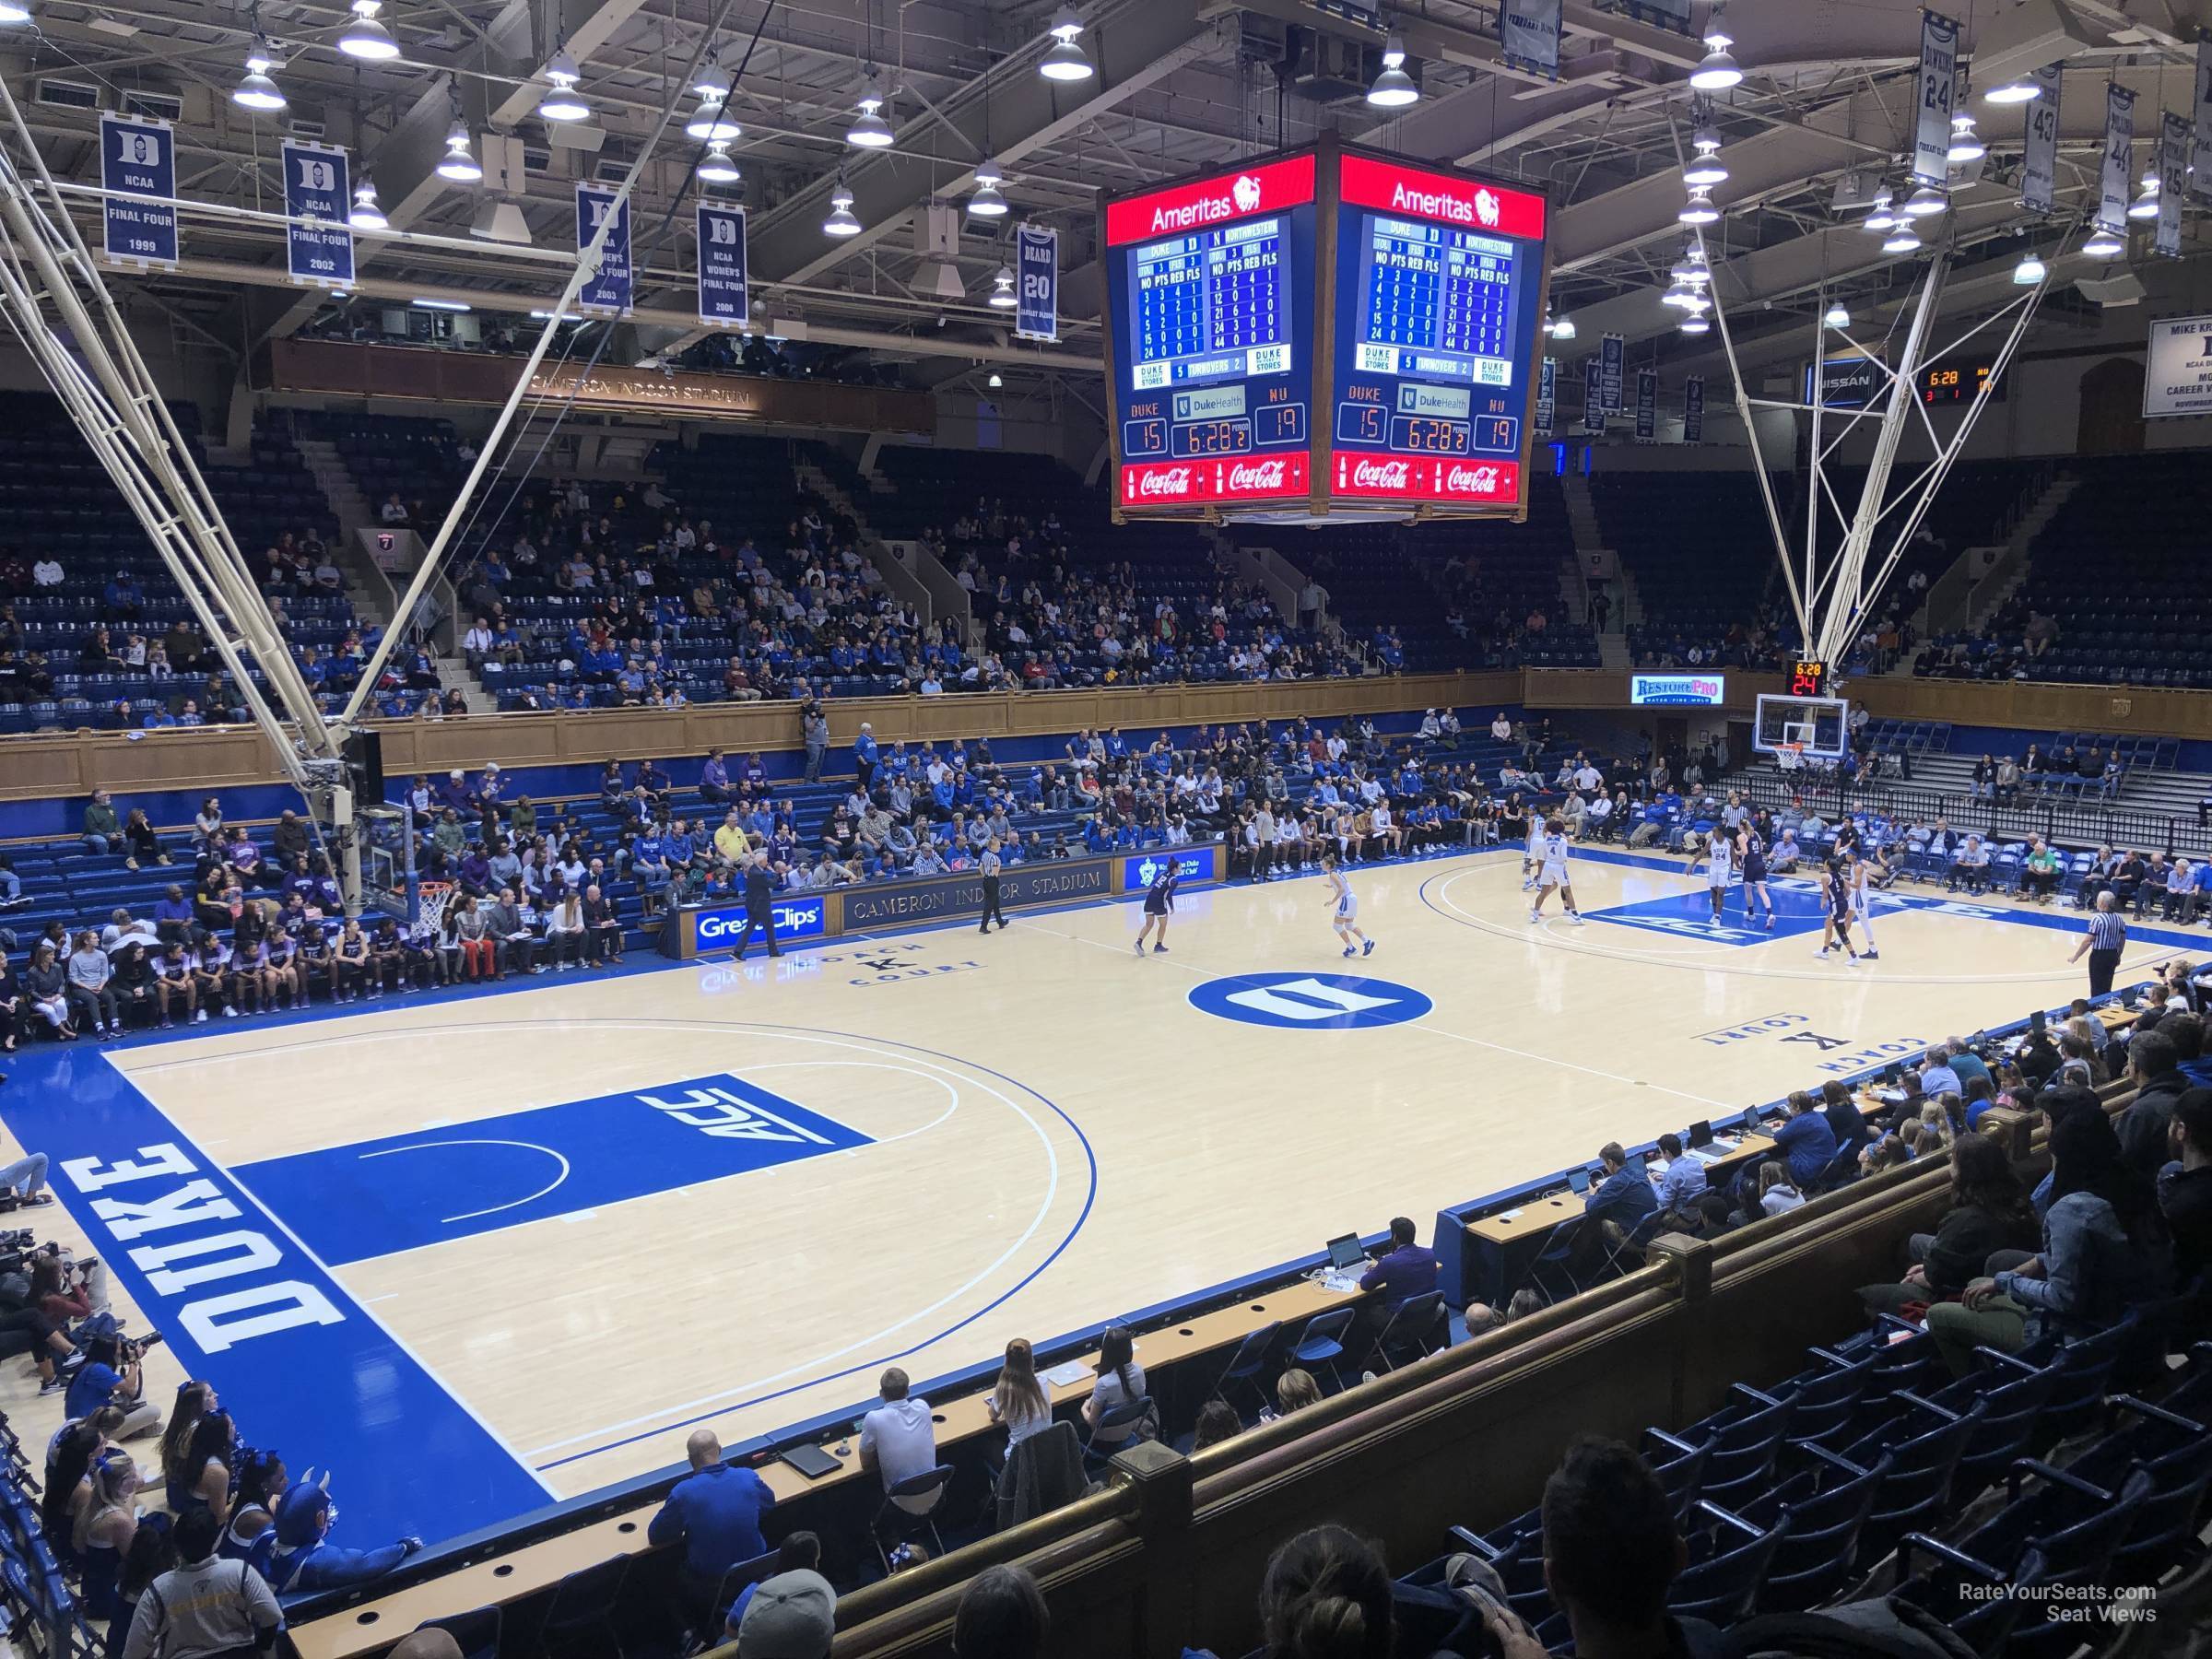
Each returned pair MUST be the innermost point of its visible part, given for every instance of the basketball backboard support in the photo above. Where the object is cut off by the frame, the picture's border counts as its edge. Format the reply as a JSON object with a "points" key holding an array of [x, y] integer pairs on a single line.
{"points": [[1822, 724]]}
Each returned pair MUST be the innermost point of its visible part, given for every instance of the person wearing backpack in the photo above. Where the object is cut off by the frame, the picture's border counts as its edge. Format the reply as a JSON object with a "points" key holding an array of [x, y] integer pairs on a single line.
{"points": [[204, 1607]]}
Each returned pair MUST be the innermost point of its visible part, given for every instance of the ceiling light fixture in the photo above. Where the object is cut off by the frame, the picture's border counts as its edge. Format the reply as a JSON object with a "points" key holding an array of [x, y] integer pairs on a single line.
{"points": [[447, 305], [1903, 240], [1966, 146], [840, 222], [869, 129], [1393, 89], [1836, 316], [1717, 71], [367, 37], [1690, 267], [1923, 203], [1564, 329], [1694, 324], [711, 119], [1705, 170], [995, 382], [2146, 205], [715, 167], [1699, 209], [459, 165], [2104, 244], [987, 203], [2029, 272], [561, 102], [256, 91], [15, 11], [2018, 90], [1881, 216], [1065, 61], [1002, 290], [366, 214]]}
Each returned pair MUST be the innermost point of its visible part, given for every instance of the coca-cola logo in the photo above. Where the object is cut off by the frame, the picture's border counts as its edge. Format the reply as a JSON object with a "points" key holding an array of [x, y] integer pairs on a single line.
{"points": [[1259, 475], [1165, 481], [1382, 475], [1472, 480]]}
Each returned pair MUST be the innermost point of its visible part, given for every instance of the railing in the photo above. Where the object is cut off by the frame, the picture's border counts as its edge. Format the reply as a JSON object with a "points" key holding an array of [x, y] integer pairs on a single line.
{"points": [[2075, 823]]}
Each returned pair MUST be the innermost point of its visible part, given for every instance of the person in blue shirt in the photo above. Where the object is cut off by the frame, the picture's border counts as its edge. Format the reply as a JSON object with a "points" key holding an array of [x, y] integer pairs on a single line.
{"points": [[865, 754], [1805, 1140], [713, 1514], [1624, 1195]]}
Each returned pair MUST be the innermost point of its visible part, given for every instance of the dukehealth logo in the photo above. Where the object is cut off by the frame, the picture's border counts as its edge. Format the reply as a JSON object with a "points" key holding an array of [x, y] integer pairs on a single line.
{"points": [[795, 919]]}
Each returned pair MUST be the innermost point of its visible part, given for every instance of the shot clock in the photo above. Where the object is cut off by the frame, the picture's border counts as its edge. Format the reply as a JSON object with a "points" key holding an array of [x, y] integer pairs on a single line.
{"points": [[1809, 677]]}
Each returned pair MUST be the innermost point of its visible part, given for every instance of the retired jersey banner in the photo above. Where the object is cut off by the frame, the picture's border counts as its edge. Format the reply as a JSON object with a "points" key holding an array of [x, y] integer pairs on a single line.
{"points": [[318, 193], [2174, 181], [1547, 396], [1693, 409], [2113, 178], [1938, 86], [1613, 354], [1528, 31], [1647, 406], [1037, 283], [1667, 14], [1593, 395], [2200, 176], [2039, 161], [610, 288], [724, 298], [138, 160]]}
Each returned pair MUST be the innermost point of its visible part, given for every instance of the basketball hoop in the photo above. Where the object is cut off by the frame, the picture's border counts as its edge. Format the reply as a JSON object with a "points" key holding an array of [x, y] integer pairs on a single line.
{"points": [[430, 900], [1790, 757]]}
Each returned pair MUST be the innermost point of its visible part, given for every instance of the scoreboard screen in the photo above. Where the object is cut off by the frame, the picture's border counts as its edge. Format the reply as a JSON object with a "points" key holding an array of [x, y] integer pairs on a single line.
{"points": [[1439, 294], [1211, 285], [1959, 379], [1322, 331]]}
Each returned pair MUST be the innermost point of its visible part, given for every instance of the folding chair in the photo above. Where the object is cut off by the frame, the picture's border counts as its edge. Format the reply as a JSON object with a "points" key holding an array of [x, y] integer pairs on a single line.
{"points": [[909, 1508]]}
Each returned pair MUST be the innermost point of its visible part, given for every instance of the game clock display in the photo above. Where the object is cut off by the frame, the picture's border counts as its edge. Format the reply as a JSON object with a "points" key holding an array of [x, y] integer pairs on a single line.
{"points": [[1322, 326]]}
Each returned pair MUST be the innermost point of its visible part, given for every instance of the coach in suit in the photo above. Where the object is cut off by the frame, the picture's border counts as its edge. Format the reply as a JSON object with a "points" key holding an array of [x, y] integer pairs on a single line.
{"points": [[759, 905]]}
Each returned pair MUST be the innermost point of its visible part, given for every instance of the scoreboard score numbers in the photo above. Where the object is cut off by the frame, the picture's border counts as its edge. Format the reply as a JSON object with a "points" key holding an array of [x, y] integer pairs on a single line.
{"points": [[1326, 330]]}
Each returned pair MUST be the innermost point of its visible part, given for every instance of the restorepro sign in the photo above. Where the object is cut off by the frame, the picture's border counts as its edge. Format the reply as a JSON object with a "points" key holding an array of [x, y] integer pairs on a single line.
{"points": [[1707, 690]]}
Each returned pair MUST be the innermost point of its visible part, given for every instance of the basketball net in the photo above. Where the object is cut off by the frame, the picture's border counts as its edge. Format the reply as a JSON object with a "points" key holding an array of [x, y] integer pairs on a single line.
{"points": [[430, 900], [1790, 757]]}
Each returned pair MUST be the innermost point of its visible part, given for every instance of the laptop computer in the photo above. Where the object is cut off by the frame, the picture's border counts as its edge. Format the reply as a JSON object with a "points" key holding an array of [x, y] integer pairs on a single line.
{"points": [[812, 1461], [1635, 1165], [1701, 1135], [1578, 1180], [1345, 1254]]}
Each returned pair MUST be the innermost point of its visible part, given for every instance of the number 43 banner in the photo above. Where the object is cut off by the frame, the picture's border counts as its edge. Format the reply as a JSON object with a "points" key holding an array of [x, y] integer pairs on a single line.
{"points": [[1037, 283], [317, 194]]}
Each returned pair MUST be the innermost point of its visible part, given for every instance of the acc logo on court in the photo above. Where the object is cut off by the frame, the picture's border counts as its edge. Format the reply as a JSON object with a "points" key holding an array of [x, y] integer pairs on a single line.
{"points": [[1309, 1001]]}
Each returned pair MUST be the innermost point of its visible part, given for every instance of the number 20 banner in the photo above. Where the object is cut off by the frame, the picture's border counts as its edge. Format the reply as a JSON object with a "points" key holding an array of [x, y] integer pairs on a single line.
{"points": [[139, 161], [1037, 283], [317, 193]]}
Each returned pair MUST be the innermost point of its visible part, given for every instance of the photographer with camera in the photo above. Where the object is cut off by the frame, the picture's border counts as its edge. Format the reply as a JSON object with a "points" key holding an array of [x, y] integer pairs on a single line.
{"points": [[111, 1376]]}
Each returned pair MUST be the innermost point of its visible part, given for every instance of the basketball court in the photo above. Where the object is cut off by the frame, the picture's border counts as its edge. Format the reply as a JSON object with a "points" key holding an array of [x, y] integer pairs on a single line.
{"points": [[477, 1252]]}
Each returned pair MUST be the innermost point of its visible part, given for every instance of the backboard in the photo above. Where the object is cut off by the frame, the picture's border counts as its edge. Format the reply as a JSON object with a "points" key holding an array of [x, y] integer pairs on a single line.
{"points": [[1821, 724]]}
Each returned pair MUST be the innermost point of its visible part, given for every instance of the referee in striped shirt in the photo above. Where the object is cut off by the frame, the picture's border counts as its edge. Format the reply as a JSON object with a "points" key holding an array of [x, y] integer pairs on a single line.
{"points": [[2105, 941]]}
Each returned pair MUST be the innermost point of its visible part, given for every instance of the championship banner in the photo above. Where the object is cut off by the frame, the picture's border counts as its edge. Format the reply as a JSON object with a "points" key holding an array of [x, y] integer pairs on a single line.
{"points": [[610, 288], [1547, 396], [1528, 31], [1613, 354], [318, 193], [723, 300], [1594, 398], [1037, 283], [2119, 139], [2174, 181], [1693, 409], [1647, 406], [138, 158], [2200, 177], [1938, 83], [2039, 163]]}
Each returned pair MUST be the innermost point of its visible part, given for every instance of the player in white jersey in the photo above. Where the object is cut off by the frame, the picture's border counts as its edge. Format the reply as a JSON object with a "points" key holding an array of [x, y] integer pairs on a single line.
{"points": [[1345, 909], [1552, 871], [1720, 867], [1532, 856], [1859, 877]]}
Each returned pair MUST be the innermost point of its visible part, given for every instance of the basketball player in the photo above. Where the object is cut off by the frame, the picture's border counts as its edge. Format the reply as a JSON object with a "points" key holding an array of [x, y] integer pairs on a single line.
{"points": [[1345, 908], [1159, 903], [1857, 876], [1531, 855], [1551, 872], [1719, 868], [1752, 854], [1835, 905]]}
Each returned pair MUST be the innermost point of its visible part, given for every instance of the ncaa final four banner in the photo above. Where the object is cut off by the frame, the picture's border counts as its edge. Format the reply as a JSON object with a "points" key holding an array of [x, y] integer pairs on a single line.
{"points": [[1547, 396], [1036, 283], [1693, 409], [1594, 396], [1938, 88], [1613, 356], [138, 160], [1647, 406], [317, 196], [724, 298], [610, 288]]}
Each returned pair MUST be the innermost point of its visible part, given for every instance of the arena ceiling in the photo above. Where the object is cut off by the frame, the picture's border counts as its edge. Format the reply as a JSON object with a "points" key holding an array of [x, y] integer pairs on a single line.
{"points": [[1820, 116]]}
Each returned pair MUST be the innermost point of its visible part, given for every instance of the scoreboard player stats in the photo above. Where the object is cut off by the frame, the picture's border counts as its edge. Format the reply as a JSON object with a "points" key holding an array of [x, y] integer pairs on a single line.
{"points": [[1322, 332]]}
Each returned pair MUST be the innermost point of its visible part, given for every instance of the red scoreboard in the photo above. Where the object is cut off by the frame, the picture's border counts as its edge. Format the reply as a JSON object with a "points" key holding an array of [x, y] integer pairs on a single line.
{"points": [[1325, 332]]}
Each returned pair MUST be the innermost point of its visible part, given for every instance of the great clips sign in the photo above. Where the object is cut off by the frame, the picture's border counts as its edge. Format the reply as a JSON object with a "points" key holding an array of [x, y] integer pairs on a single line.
{"points": [[1251, 478], [1469, 204], [1270, 187]]}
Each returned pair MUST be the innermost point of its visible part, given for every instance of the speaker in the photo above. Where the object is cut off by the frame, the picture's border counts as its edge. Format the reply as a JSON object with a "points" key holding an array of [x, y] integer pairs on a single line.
{"points": [[365, 761]]}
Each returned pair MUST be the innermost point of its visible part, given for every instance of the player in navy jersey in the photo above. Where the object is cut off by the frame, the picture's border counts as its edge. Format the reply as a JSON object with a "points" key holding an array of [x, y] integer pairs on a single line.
{"points": [[1159, 904], [1751, 853], [1550, 849], [1835, 904]]}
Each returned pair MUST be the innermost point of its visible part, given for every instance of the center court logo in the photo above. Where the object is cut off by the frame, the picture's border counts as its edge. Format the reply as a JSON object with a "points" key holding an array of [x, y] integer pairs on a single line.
{"points": [[1309, 1001]]}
